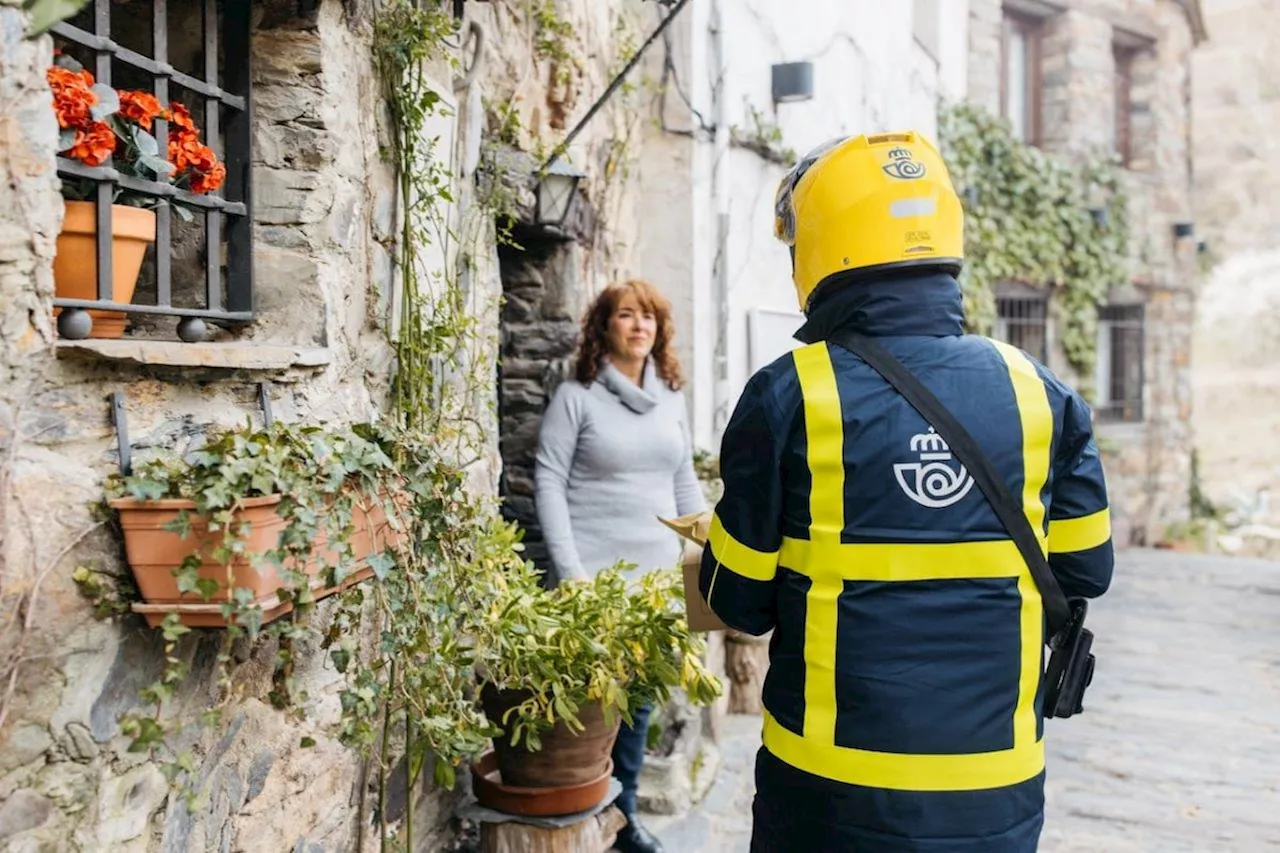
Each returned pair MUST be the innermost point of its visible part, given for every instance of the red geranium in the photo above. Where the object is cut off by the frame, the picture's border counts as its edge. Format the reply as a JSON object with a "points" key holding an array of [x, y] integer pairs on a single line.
{"points": [[99, 123]]}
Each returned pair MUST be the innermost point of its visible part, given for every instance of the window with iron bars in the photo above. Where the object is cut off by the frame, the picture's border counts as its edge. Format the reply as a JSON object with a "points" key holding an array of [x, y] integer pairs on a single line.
{"points": [[1119, 374], [1022, 322], [194, 54]]}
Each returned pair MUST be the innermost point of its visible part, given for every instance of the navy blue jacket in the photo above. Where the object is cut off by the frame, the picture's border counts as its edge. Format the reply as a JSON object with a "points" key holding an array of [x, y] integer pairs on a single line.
{"points": [[902, 703]]}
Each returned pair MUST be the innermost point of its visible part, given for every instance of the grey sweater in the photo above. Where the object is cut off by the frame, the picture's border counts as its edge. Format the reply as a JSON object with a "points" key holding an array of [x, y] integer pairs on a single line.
{"points": [[611, 457]]}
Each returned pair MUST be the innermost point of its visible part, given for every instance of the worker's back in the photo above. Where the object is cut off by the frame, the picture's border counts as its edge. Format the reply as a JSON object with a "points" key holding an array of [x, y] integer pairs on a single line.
{"points": [[902, 701]]}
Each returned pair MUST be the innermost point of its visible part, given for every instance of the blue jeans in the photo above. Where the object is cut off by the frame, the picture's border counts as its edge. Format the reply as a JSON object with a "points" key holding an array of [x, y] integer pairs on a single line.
{"points": [[628, 756]]}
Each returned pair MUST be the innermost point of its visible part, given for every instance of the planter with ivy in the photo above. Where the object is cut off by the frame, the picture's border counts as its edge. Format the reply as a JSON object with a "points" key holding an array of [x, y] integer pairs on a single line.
{"points": [[562, 669], [254, 522]]}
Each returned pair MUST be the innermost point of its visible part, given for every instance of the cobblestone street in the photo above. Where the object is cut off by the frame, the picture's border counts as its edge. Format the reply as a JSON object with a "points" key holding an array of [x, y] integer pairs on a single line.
{"points": [[1179, 745]]}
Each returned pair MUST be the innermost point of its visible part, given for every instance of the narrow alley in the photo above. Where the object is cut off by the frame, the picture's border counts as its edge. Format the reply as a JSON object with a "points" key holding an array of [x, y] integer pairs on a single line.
{"points": [[1176, 751]]}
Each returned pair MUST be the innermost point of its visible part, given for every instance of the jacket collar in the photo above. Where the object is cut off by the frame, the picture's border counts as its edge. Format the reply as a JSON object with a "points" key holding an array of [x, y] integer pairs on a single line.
{"points": [[927, 304], [631, 395]]}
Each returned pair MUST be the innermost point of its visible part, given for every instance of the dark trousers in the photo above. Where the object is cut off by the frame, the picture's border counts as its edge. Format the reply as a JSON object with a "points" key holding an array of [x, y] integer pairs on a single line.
{"points": [[628, 756]]}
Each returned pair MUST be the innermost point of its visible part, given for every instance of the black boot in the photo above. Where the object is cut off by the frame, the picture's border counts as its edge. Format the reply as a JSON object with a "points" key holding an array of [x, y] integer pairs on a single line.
{"points": [[634, 838]]}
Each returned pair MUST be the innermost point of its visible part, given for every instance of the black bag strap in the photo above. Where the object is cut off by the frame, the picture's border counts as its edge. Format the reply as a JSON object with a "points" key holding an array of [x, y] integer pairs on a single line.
{"points": [[1006, 506]]}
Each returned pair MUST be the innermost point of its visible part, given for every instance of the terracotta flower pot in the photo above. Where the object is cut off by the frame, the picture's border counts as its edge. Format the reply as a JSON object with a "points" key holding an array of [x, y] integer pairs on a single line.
{"points": [[565, 760], [75, 267], [154, 552]]}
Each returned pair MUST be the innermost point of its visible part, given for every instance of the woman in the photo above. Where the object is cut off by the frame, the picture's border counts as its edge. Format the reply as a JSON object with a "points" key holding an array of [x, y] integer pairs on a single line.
{"points": [[614, 452]]}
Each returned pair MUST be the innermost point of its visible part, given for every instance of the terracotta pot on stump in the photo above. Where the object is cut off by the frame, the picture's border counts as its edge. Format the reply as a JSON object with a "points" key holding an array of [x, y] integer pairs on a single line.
{"points": [[75, 267], [569, 774]]}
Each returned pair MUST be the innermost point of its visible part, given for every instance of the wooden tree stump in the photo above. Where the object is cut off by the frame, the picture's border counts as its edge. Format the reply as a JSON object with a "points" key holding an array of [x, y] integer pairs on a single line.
{"points": [[746, 661], [593, 835]]}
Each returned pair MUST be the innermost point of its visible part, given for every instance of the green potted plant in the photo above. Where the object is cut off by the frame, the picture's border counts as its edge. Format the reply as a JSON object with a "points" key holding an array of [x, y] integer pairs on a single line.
{"points": [[257, 519], [561, 668], [97, 123]]}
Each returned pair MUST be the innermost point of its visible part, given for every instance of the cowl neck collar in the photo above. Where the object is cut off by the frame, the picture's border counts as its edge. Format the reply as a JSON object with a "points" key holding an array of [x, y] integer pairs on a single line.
{"points": [[630, 394]]}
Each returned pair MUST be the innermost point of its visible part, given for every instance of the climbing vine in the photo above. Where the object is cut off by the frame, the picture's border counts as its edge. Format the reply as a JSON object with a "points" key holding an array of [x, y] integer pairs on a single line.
{"points": [[1038, 219], [764, 138]]}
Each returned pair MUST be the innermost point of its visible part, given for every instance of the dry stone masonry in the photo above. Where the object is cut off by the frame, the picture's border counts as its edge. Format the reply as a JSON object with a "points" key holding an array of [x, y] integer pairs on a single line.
{"points": [[1148, 463]]}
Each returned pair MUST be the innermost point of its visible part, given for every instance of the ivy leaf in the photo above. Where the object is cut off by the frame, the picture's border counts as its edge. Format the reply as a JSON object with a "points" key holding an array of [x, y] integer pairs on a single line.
{"points": [[341, 659], [146, 489], [45, 14], [148, 733], [207, 588], [307, 742], [381, 565]]}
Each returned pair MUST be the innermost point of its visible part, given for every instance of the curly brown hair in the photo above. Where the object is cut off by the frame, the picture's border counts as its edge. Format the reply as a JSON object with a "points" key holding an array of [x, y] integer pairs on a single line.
{"points": [[593, 347]]}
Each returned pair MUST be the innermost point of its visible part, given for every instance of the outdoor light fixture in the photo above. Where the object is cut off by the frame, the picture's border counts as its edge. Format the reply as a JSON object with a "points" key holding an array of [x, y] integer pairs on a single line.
{"points": [[970, 196], [1183, 229], [792, 81], [557, 187], [1099, 215]]}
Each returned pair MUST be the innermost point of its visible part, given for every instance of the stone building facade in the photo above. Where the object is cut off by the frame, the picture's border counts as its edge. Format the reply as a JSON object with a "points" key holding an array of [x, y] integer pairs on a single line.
{"points": [[325, 216], [1087, 76], [1237, 342]]}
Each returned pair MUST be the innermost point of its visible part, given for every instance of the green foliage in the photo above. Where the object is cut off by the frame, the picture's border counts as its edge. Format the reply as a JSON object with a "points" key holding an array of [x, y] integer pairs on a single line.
{"points": [[45, 14], [597, 641], [1201, 505], [764, 137], [327, 480], [551, 36], [1032, 223]]}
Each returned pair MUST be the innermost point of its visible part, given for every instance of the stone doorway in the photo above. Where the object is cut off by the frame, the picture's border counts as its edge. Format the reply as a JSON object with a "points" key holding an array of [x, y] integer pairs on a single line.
{"points": [[539, 333]]}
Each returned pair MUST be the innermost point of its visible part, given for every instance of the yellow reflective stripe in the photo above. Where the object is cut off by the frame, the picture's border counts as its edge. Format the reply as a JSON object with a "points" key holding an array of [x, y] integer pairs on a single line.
{"points": [[824, 437], [1037, 438], [906, 561], [1068, 535], [738, 558], [904, 772]]}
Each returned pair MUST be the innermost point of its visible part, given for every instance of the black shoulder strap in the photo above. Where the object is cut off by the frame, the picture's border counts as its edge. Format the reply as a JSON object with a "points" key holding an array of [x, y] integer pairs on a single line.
{"points": [[1007, 507]]}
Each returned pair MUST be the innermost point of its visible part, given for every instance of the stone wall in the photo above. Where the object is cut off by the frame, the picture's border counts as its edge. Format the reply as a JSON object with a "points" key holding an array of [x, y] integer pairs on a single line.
{"points": [[1148, 463], [325, 217], [1237, 341]]}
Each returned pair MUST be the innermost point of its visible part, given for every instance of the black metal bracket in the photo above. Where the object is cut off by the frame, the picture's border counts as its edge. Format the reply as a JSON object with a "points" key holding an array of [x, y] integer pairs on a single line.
{"points": [[121, 420], [264, 400]]}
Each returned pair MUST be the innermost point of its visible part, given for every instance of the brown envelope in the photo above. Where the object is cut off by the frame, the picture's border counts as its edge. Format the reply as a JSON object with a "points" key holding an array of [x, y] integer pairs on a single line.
{"points": [[694, 529]]}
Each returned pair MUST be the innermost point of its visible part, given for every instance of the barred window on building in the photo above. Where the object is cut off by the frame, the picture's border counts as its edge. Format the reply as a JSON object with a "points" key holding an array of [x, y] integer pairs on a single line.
{"points": [[1119, 374], [153, 101], [1022, 321]]}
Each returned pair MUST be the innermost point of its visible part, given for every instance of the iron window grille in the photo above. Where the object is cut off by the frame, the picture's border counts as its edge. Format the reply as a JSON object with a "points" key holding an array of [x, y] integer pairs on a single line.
{"points": [[226, 29], [1022, 321], [1119, 379]]}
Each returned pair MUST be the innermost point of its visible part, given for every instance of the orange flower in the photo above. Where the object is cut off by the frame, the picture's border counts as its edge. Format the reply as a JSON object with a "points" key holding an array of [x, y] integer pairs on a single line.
{"points": [[94, 145], [73, 96], [140, 107], [181, 117], [209, 181]]}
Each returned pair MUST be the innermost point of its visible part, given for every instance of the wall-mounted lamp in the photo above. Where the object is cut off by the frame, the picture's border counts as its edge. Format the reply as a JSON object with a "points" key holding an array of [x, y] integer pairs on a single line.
{"points": [[971, 196], [1183, 229], [792, 81], [557, 187], [1100, 216]]}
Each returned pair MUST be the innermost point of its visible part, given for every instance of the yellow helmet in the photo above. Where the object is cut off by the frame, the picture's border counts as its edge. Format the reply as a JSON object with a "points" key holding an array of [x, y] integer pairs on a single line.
{"points": [[870, 203]]}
